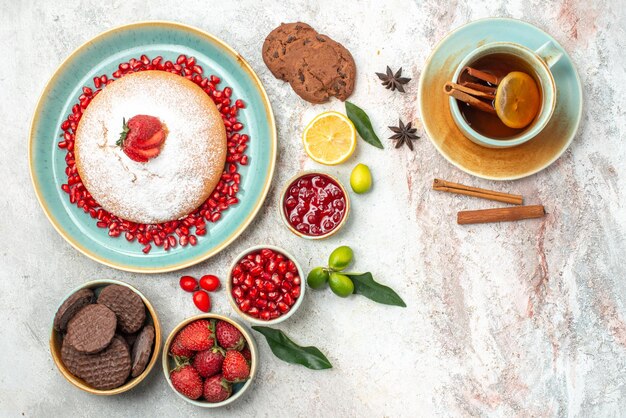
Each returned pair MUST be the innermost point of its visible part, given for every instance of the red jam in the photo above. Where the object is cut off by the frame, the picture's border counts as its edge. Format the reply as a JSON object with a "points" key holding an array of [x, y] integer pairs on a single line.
{"points": [[314, 204], [265, 284]]}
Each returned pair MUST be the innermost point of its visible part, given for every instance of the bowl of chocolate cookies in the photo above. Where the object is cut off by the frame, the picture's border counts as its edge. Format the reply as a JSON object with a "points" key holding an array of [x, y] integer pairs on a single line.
{"points": [[106, 337]]}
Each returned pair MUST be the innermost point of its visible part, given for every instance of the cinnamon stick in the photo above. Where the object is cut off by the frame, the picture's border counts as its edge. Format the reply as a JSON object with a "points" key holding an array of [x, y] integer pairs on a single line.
{"points": [[513, 213], [470, 100], [481, 75], [480, 87], [448, 186], [471, 91]]}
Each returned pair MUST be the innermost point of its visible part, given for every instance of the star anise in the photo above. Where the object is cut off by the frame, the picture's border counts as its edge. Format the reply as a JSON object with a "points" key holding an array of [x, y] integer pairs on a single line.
{"points": [[393, 81], [404, 134]]}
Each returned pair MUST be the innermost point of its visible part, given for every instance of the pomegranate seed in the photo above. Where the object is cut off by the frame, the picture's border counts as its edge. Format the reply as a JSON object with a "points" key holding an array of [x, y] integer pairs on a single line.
{"points": [[147, 249], [181, 58], [288, 299], [245, 305], [274, 314]]}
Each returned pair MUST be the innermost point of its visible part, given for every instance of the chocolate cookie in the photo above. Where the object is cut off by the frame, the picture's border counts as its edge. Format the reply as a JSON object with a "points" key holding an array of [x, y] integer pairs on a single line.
{"points": [[131, 338], [91, 329], [127, 305], [316, 66], [284, 42], [142, 349], [70, 306], [105, 370]]}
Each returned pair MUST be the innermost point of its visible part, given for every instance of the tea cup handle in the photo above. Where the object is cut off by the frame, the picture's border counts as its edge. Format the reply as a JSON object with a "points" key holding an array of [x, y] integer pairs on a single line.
{"points": [[550, 53]]}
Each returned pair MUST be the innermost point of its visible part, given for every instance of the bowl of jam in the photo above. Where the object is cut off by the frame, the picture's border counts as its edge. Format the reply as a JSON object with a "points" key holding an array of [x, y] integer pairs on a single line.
{"points": [[314, 205]]}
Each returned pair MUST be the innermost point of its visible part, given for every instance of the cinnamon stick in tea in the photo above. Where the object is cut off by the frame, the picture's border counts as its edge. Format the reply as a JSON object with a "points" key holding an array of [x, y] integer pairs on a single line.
{"points": [[481, 75], [450, 90], [471, 91], [514, 213], [480, 87]]}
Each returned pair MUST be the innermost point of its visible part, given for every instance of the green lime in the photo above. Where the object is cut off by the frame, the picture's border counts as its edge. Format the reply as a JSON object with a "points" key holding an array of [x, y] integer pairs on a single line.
{"points": [[361, 179], [317, 278], [340, 258], [341, 285]]}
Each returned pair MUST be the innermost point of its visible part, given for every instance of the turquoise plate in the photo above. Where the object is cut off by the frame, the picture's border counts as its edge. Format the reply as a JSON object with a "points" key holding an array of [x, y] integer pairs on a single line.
{"points": [[102, 55], [490, 163]]}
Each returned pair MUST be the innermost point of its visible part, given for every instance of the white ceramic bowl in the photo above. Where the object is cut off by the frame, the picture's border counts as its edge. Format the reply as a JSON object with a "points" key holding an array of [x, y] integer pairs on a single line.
{"points": [[251, 319], [238, 388]]}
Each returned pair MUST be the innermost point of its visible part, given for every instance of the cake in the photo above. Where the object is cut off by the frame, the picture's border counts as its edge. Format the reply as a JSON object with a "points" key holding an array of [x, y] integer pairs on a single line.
{"points": [[150, 147]]}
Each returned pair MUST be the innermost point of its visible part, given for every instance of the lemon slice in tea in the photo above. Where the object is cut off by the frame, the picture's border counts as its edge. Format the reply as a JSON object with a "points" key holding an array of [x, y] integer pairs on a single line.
{"points": [[517, 100]]}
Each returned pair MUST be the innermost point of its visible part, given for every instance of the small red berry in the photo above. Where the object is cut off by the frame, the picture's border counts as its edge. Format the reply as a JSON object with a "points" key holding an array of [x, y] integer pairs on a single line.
{"points": [[188, 283], [209, 282], [202, 300]]}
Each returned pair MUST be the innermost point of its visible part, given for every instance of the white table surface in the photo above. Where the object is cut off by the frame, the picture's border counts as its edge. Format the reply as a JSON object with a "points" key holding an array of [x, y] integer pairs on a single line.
{"points": [[518, 319]]}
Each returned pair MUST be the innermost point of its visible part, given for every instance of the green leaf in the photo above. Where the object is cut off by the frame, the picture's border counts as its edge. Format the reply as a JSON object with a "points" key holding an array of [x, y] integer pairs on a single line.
{"points": [[288, 351], [365, 285], [123, 134], [362, 124]]}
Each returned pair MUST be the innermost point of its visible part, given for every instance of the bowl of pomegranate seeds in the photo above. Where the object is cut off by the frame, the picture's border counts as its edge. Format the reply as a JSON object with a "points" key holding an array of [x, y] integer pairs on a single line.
{"points": [[210, 360], [265, 285], [314, 205]]}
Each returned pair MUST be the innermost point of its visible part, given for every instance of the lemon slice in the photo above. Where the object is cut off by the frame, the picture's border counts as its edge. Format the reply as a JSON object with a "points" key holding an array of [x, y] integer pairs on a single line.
{"points": [[517, 100], [330, 138]]}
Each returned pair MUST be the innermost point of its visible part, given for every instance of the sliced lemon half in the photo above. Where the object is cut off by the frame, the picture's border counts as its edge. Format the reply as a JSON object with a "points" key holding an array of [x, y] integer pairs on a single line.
{"points": [[517, 100], [330, 138]]}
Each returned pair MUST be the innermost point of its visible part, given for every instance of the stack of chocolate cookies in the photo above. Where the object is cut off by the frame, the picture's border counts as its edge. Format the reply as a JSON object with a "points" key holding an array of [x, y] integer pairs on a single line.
{"points": [[316, 66], [105, 339]]}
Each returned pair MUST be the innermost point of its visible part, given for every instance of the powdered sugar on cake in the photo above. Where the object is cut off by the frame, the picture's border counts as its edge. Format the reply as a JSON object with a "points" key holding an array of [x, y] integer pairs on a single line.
{"points": [[181, 177]]}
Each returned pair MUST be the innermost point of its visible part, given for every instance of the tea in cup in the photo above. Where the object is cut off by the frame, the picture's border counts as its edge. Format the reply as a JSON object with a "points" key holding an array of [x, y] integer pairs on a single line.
{"points": [[503, 93]]}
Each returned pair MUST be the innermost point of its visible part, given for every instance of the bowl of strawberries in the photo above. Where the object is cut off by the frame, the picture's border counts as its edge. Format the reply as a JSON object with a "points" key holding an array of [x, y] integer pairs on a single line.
{"points": [[210, 360]]}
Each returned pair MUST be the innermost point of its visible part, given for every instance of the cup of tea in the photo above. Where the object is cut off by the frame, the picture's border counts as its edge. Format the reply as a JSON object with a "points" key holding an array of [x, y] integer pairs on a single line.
{"points": [[485, 121]]}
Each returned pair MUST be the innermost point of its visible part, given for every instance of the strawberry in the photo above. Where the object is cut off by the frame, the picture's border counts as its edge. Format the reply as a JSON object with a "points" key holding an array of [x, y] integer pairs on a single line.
{"points": [[187, 381], [235, 367], [177, 349], [198, 336], [209, 362], [246, 353], [228, 336], [216, 389], [142, 137]]}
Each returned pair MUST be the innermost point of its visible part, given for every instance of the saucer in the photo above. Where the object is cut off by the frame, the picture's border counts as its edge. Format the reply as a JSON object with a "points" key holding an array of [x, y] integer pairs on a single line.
{"points": [[489, 163]]}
